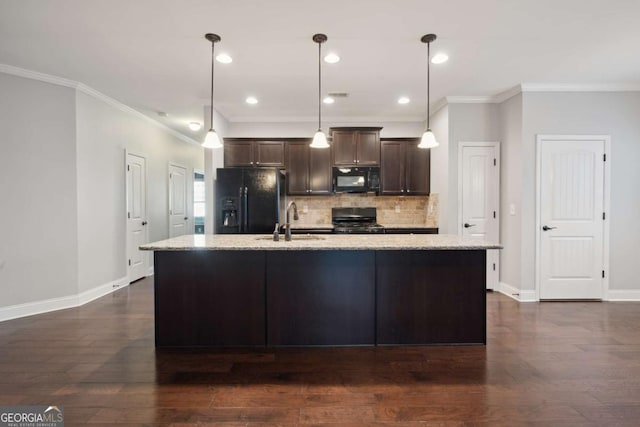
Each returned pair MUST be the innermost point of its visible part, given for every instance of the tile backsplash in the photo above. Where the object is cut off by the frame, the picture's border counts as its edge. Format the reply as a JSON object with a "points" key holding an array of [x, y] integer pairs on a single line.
{"points": [[421, 211]]}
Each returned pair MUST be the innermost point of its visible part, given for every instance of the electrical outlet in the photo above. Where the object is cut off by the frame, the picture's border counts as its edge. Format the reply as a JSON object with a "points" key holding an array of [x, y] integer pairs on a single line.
{"points": [[398, 208], [305, 209], [512, 209]]}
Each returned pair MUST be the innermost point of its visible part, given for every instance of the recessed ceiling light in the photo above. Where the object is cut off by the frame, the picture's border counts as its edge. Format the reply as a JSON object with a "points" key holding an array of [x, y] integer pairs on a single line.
{"points": [[403, 100], [331, 58], [439, 58], [251, 100], [195, 126], [328, 100], [224, 58]]}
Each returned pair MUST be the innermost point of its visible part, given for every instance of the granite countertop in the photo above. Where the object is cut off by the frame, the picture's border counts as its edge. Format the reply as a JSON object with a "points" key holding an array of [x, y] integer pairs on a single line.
{"points": [[326, 242], [295, 226], [417, 226]]}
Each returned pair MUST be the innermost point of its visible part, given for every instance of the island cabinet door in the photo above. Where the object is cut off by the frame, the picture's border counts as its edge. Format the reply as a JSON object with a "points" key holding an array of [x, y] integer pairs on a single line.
{"points": [[431, 297], [209, 298], [317, 298]]}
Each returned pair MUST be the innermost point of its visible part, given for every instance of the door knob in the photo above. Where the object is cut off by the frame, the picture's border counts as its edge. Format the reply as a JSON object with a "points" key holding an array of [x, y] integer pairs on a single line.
{"points": [[547, 228], [467, 225], [144, 222]]}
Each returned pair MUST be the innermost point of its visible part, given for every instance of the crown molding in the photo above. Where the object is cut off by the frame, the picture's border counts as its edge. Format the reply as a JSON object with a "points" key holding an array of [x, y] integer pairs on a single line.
{"points": [[540, 87], [439, 105], [545, 87], [35, 75], [470, 100], [488, 99], [81, 87]]}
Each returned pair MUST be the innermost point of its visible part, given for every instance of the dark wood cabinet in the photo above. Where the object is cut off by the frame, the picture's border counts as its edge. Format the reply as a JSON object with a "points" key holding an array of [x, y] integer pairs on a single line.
{"points": [[392, 175], [430, 297], [282, 297], [238, 154], [320, 298], [355, 146], [308, 169], [204, 298], [253, 153], [405, 168]]}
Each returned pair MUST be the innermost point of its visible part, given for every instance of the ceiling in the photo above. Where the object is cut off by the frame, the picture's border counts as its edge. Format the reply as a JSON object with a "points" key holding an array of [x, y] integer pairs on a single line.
{"points": [[152, 56]]}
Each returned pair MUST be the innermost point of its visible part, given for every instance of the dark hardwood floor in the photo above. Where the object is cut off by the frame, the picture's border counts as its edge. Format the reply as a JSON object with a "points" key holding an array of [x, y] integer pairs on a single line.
{"points": [[548, 364]]}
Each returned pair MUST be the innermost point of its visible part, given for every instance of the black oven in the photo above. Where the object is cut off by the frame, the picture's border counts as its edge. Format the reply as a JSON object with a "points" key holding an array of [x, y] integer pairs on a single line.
{"points": [[356, 179]]}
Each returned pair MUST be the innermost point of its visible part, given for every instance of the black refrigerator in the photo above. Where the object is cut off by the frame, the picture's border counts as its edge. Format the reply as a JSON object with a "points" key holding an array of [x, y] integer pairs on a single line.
{"points": [[249, 200]]}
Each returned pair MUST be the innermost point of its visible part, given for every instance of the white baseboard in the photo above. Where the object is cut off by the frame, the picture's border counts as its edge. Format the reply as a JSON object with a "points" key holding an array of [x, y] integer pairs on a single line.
{"points": [[37, 307], [515, 293], [102, 290], [54, 304], [623, 295]]}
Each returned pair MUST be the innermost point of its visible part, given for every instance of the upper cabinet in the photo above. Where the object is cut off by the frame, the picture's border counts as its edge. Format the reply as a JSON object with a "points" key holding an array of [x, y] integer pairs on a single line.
{"points": [[405, 168], [253, 153], [308, 169], [355, 146]]}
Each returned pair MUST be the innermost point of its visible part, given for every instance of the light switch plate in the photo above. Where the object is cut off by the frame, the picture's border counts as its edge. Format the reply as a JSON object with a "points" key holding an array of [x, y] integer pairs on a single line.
{"points": [[305, 209], [512, 209], [398, 208]]}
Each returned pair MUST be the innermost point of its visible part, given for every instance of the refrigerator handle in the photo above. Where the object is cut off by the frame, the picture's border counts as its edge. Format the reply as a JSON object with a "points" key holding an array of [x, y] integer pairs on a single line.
{"points": [[245, 209], [240, 210]]}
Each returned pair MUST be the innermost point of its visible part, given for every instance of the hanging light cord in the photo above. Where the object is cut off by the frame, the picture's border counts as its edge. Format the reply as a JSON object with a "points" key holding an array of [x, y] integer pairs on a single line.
{"points": [[428, 60], [213, 46], [319, 84]]}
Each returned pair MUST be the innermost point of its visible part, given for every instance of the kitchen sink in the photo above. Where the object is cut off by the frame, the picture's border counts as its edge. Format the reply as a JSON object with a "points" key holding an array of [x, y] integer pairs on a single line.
{"points": [[293, 237]]}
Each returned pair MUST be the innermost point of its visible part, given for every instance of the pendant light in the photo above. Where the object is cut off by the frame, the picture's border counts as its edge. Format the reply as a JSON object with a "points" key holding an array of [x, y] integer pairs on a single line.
{"points": [[428, 138], [319, 139], [212, 140]]}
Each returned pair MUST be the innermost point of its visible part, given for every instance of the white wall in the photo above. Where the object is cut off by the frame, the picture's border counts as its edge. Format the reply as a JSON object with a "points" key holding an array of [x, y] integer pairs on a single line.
{"points": [[439, 122], [307, 129], [615, 114], [103, 134], [467, 123], [213, 159], [511, 190], [62, 186], [38, 235]]}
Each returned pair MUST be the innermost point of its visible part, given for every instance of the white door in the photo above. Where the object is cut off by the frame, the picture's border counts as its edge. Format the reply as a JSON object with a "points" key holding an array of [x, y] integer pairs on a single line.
{"points": [[136, 179], [480, 199], [178, 218], [571, 218]]}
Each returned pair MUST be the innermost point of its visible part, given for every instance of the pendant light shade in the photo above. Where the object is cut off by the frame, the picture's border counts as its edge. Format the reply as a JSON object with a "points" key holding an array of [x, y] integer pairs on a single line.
{"points": [[319, 139], [212, 140], [428, 138]]}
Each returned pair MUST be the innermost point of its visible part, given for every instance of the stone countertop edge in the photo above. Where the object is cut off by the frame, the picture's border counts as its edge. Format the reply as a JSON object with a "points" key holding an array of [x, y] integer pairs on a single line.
{"points": [[331, 226], [250, 242]]}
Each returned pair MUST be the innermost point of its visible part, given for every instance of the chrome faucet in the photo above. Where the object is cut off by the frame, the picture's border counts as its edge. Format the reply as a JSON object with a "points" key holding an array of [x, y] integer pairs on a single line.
{"points": [[287, 233]]}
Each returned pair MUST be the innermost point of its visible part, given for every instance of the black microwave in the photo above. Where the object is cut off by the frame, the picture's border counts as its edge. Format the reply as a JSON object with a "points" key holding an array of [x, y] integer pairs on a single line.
{"points": [[356, 179]]}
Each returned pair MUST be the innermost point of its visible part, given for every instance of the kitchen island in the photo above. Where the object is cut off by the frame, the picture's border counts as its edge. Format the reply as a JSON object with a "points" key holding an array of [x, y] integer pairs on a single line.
{"points": [[330, 290]]}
